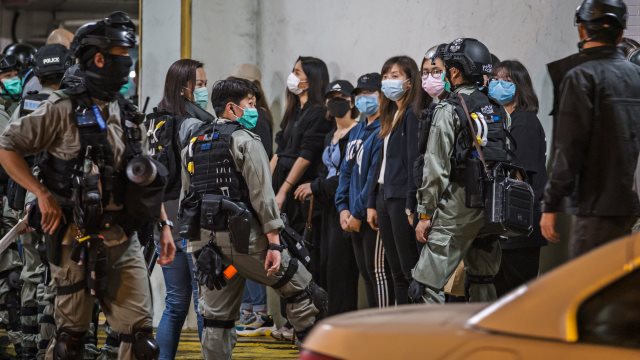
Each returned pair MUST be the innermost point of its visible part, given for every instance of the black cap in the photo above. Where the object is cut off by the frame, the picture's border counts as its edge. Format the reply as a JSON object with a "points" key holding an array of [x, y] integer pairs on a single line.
{"points": [[371, 82], [342, 86], [52, 59], [594, 10]]}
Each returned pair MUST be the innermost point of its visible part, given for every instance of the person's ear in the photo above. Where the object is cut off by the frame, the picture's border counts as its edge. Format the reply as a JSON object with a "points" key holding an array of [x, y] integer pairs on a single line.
{"points": [[99, 60], [582, 31]]}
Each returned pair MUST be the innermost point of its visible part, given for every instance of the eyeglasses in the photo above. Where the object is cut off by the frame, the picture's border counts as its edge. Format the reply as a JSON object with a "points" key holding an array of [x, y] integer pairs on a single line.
{"points": [[434, 73]]}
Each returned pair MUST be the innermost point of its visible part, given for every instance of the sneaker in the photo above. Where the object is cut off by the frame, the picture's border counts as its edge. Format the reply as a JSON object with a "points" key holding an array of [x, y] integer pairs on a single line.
{"points": [[246, 318], [262, 326], [284, 334]]}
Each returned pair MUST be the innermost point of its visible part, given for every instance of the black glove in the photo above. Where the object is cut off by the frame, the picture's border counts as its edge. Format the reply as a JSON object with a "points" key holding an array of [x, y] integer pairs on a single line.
{"points": [[209, 267], [416, 292]]}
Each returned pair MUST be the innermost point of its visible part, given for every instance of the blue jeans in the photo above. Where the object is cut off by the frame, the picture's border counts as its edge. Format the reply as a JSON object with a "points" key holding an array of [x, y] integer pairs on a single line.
{"points": [[181, 288], [254, 297]]}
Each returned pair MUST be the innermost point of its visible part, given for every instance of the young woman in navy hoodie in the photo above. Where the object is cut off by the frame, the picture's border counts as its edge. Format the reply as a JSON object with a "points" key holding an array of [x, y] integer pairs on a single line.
{"points": [[393, 202], [357, 179], [337, 269]]}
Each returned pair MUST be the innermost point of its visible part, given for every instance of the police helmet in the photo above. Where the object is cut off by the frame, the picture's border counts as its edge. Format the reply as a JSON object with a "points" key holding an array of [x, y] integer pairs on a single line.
{"points": [[634, 57], [628, 45], [72, 77], [9, 63], [51, 60], [116, 29], [435, 52], [471, 54], [23, 52], [594, 10]]}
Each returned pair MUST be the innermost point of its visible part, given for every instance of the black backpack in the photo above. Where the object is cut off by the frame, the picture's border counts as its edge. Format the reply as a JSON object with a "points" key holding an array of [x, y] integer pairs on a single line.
{"points": [[165, 147]]}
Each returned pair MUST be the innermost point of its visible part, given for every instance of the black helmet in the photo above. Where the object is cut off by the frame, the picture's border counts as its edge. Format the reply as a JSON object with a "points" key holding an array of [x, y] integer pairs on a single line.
{"points": [[634, 57], [116, 29], [473, 55], [628, 45], [9, 63], [51, 60], [72, 77], [24, 53], [593, 10]]}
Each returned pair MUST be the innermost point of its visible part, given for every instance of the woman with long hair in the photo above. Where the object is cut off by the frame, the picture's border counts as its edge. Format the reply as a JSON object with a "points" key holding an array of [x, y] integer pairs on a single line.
{"points": [[395, 195], [511, 87]]}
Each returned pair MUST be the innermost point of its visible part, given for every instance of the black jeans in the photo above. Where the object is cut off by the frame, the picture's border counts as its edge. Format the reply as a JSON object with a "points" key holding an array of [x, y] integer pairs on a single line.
{"points": [[399, 240], [517, 267], [370, 256], [589, 232]]}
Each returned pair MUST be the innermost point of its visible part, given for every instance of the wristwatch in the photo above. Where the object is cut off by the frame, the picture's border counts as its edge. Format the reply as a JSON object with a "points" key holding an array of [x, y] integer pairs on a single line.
{"points": [[162, 223], [425, 217], [276, 247]]}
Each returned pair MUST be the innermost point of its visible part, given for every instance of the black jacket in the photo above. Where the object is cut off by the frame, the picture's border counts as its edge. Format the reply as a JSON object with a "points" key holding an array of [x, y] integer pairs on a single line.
{"points": [[596, 136], [263, 129], [402, 151], [323, 188]]}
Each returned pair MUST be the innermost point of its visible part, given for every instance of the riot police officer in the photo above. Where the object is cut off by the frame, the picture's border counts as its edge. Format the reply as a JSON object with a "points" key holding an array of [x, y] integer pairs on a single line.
{"points": [[231, 216], [595, 137], [25, 53], [10, 87], [447, 219], [97, 189]]}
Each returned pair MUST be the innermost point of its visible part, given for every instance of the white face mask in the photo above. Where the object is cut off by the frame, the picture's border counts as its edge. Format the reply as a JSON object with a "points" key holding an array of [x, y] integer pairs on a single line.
{"points": [[292, 84]]}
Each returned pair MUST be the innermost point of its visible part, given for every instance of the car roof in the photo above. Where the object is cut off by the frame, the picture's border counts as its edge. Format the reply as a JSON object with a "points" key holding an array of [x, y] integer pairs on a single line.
{"points": [[547, 308]]}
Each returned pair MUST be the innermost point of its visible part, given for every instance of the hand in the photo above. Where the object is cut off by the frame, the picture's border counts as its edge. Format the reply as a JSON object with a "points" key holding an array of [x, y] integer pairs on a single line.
{"points": [[372, 218], [167, 247], [353, 224], [411, 218], [272, 262], [280, 199], [50, 210], [422, 230], [344, 218], [548, 227], [303, 192]]}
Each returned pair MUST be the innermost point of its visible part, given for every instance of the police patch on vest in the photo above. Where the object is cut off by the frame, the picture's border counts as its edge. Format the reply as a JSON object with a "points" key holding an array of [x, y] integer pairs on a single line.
{"points": [[31, 105]]}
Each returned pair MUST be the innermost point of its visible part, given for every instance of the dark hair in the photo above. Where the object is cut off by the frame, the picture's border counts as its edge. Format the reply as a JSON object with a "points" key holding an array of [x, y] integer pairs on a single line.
{"points": [[414, 97], [181, 74], [230, 90], [48, 80], [605, 30], [261, 101], [317, 78], [525, 98]]}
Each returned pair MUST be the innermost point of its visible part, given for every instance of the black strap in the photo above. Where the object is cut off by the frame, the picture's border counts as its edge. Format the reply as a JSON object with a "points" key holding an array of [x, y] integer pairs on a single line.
{"points": [[223, 324], [473, 138], [47, 319], [41, 308], [112, 341], [288, 274], [302, 295], [480, 279], [30, 329], [29, 311], [4, 274], [71, 289], [131, 338], [43, 344]]}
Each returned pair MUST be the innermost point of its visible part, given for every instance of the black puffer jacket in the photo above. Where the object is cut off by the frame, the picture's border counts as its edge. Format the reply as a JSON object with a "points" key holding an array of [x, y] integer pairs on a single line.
{"points": [[596, 136]]}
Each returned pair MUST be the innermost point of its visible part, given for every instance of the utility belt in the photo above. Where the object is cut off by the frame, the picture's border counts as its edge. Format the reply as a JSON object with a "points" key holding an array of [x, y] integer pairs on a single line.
{"points": [[216, 213]]}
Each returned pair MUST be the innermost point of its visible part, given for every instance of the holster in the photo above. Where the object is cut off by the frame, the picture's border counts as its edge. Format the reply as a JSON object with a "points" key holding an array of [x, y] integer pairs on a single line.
{"points": [[240, 218], [474, 180], [189, 217]]}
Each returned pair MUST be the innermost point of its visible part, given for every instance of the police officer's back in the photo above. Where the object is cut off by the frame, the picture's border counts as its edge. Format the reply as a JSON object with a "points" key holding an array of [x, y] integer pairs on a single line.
{"points": [[596, 131]]}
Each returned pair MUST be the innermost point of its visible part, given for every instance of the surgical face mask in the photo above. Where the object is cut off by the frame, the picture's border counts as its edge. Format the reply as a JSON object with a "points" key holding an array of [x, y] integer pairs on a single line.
{"points": [[393, 89], [293, 83], [502, 91], [249, 117], [338, 107], [201, 97], [367, 104], [11, 87], [434, 86]]}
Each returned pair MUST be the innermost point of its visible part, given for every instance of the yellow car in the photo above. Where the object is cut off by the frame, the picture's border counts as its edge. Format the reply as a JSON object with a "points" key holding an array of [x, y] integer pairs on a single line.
{"points": [[588, 308]]}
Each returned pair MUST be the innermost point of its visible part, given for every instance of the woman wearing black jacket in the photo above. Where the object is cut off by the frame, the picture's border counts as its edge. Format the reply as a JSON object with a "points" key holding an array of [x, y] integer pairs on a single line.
{"points": [[511, 86], [393, 202], [338, 271]]}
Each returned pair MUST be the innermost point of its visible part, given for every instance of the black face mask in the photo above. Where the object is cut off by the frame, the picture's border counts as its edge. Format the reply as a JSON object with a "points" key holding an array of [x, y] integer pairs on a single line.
{"points": [[338, 107], [104, 83]]}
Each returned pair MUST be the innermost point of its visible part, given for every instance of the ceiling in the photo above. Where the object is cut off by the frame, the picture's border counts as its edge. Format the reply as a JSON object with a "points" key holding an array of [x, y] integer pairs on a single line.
{"points": [[81, 6]]}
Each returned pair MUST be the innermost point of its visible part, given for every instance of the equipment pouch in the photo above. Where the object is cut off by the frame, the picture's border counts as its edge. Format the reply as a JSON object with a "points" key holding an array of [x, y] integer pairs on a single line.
{"points": [[239, 225], [189, 217], [15, 195], [211, 215], [474, 177]]}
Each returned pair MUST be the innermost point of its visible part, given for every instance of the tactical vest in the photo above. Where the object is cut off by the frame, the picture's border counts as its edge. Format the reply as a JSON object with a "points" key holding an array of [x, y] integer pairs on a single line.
{"points": [[165, 147], [31, 102], [491, 127], [211, 164]]}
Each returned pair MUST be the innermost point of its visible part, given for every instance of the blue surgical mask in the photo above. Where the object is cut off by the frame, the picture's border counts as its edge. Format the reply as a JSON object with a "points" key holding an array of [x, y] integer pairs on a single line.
{"points": [[393, 89], [249, 118], [11, 87], [367, 104], [502, 91], [201, 97]]}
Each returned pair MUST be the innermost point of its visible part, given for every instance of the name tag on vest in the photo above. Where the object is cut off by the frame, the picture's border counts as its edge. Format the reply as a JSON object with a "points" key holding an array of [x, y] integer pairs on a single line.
{"points": [[31, 105]]}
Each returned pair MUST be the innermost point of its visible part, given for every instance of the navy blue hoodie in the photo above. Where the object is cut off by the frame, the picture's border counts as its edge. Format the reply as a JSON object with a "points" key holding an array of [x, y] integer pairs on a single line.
{"points": [[358, 170]]}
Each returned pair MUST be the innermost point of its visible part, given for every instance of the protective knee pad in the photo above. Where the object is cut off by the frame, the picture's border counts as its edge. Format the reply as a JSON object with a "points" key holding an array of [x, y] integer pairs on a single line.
{"points": [[69, 345], [145, 346], [318, 297], [13, 309], [14, 279], [471, 279]]}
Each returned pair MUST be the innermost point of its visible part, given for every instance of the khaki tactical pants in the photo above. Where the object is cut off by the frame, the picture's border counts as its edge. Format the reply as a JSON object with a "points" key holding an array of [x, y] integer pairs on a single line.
{"points": [[127, 302], [456, 235], [9, 260], [224, 304]]}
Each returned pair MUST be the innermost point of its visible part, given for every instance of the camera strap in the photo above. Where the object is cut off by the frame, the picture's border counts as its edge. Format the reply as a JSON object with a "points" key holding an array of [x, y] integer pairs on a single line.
{"points": [[473, 138]]}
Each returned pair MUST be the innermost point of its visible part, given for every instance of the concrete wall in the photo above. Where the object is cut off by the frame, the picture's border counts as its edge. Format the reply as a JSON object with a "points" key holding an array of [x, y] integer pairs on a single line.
{"points": [[633, 24]]}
